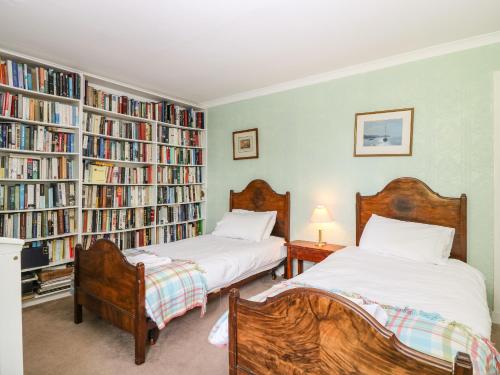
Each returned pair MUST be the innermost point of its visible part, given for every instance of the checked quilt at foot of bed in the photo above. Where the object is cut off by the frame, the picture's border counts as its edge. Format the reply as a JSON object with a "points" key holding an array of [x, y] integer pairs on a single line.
{"points": [[426, 332], [173, 289]]}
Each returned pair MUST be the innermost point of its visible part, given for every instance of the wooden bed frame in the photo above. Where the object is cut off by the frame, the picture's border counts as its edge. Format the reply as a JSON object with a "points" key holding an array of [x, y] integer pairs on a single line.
{"points": [[309, 331], [108, 285]]}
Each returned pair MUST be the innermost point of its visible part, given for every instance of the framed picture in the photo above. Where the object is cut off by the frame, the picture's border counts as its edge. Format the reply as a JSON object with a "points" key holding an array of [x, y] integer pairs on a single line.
{"points": [[246, 144], [384, 133]]}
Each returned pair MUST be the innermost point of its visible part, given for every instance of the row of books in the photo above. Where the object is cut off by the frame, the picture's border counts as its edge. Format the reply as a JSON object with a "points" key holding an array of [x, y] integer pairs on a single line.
{"points": [[24, 108], [103, 148], [176, 155], [39, 78], [33, 225], [116, 196], [115, 103], [162, 111], [36, 168], [112, 220], [175, 214], [62, 249], [124, 240], [180, 194], [33, 196], [180, 137], [171, 233], [177, 115], [105, 173], [16, 136], [124, 129], [179, 175]]}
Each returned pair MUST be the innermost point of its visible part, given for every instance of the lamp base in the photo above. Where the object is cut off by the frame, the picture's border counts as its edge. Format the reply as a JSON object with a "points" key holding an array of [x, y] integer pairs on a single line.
{"points": [[320, 242]]}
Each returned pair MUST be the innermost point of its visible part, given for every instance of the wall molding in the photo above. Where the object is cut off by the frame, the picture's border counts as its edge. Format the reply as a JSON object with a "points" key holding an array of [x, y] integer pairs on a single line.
{"points": [[496, 195], [420, 54]]}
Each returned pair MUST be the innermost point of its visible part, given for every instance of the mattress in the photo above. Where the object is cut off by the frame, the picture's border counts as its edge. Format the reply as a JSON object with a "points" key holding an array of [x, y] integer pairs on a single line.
{"points": [[455, 290], [225, 260]]}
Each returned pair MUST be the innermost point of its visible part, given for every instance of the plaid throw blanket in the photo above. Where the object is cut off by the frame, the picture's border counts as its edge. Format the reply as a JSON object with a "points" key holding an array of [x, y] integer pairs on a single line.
{"points": [[426, 332], [173, 289]]}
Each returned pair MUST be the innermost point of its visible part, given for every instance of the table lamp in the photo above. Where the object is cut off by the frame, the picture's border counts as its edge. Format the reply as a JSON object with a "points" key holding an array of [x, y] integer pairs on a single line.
{"points": [[321, 215]]}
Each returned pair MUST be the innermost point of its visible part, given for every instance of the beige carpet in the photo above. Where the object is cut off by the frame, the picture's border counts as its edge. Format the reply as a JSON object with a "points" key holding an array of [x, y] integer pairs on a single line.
{"points": [[54, 345]]}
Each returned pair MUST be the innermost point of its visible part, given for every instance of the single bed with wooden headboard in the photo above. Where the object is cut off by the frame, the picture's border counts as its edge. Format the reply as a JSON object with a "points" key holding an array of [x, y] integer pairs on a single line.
{"points": [[311, 331], [114, 289]]}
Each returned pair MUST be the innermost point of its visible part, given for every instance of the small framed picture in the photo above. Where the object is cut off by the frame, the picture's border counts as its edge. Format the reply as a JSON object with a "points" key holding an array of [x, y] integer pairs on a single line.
{"points": [[384, 133], [246, 144]]}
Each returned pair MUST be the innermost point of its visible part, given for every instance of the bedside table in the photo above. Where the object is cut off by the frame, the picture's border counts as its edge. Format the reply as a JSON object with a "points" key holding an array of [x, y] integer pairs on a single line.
{"points": [[307, 250]]}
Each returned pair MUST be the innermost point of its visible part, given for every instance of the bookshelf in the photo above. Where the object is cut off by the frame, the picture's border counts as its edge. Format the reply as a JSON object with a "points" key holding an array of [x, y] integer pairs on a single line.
{"points": [[177, 142], [136, 164], [40, 112]]}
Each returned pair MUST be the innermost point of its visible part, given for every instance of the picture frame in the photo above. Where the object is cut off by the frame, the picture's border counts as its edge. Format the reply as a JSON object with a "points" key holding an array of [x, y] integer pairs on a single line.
{"points": [[246, 144], [384, 133]]}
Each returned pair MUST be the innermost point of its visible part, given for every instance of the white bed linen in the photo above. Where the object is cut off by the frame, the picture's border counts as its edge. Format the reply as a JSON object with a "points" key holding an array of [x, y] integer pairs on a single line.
{"points": [[224, 260], [455, 290]]}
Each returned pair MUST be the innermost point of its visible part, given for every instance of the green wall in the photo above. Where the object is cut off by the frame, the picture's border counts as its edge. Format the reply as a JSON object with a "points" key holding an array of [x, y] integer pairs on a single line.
{"points": [[306, 144]]}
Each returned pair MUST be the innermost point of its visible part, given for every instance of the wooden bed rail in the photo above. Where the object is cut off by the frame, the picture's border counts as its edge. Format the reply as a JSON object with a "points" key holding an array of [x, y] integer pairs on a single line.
{"points": [[309, 331]]}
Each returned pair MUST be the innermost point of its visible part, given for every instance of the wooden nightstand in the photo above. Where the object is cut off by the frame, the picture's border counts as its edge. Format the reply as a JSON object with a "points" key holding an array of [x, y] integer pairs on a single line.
{"points": [[307, 250]]}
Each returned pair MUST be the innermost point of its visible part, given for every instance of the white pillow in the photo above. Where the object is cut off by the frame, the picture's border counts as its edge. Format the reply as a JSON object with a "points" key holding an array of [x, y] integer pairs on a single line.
{"points": [[242, 226], [270, 225], [416, 241]]}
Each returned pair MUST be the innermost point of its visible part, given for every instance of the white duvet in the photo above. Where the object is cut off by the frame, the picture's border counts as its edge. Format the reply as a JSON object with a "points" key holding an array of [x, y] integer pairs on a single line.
{"points": [[224, 260], [455, 290]]}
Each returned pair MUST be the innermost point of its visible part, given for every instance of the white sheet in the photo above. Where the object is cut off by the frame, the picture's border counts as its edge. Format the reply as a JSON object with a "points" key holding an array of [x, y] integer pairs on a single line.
{"points": [[224, 260], [455, 290]]}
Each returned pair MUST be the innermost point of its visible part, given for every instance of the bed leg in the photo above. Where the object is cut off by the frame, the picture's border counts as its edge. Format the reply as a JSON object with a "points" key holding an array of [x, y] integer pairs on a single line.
{"points": [[273, 274], [78, 313], [140, 350], [153, 335]]}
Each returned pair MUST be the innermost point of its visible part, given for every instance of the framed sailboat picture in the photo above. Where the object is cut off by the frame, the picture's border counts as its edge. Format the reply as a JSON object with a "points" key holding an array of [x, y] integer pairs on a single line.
{"points": [[384, 133]]}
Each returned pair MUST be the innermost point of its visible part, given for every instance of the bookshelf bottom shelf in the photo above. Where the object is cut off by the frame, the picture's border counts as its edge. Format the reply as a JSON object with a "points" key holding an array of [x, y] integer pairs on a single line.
{"points": [[47, 298]]}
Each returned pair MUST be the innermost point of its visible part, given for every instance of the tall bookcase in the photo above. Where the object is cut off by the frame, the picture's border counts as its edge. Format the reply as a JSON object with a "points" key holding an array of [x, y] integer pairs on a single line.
{"points": [[138, 170]]}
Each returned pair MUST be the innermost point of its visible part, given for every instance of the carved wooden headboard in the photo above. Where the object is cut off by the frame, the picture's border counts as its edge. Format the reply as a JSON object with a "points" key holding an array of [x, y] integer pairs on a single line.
{"points": [[412, 200], [259, 196]]}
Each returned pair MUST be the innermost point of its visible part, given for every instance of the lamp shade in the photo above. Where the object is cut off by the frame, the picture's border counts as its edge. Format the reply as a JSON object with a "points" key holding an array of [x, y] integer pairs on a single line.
{"points": [[321, 215]]}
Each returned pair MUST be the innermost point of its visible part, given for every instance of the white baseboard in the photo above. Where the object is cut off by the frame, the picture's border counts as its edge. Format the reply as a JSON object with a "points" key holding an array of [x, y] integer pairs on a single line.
{"points": [[495, 317]]}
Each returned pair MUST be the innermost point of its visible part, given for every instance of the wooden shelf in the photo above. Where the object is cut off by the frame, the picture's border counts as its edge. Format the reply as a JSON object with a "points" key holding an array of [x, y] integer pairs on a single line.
{"points": [[117, 161], [187, 184], [114, 184], [178, 204], [115, 138], [180, 222], [115, 208], [38, 94], [180, 165], [53, 264], [117, 231], [116, 115], [32, 122], [171, 145], [36, 181], [178, 126], [9, 150], [38, 209], [42, 299], [55, 237]]}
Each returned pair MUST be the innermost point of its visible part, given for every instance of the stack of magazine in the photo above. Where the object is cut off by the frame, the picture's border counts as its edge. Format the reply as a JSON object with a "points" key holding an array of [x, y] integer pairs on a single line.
{"points": [[54, 280]]}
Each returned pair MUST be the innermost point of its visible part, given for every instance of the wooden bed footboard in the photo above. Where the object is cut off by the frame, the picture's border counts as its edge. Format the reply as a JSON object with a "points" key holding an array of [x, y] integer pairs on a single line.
{"points": [[106, 284], [309, 331]]}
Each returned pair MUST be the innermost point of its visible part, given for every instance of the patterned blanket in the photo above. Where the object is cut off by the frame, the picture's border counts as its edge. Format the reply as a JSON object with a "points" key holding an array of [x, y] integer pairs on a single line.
{"points": [[173, 289], [426, 332]]}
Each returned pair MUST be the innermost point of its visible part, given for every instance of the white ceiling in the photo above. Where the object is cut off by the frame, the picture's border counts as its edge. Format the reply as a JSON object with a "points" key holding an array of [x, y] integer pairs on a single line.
{"points": [[204, 50]]}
